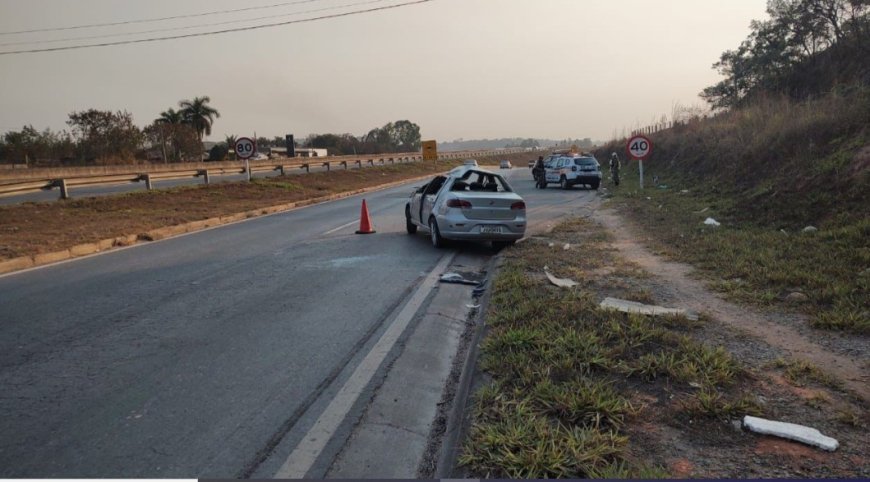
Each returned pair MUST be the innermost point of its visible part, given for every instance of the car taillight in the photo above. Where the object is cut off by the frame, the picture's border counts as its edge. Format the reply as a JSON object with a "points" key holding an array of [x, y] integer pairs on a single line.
{"points": [[458, 203], [518, 205]]}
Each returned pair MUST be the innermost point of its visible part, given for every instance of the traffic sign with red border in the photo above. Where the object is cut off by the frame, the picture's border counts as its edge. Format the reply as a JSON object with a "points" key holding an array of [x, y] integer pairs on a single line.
{"points": [[245, 148], [639, 147]]}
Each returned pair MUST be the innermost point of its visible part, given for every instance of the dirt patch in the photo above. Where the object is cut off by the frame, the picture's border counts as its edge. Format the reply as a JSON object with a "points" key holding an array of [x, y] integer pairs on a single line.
{"points": [[676, 284]]}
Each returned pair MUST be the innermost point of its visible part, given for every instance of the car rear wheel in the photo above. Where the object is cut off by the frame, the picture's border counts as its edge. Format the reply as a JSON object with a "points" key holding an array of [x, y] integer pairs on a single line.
{"points": [[437, 240], [410, 226], [564, 183]]}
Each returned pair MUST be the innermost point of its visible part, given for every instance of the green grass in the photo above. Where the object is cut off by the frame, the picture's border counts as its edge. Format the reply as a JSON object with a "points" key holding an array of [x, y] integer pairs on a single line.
{"points": [[761, 264], [566, 375]]}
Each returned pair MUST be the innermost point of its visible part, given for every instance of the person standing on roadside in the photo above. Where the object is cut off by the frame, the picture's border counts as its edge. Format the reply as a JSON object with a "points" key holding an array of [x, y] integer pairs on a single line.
{"points": [[538, 170], [614, 168]]}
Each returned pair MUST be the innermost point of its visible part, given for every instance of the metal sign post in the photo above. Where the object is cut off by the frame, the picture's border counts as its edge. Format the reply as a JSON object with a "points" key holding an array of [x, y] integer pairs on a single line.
{"points": [[639, 147]]}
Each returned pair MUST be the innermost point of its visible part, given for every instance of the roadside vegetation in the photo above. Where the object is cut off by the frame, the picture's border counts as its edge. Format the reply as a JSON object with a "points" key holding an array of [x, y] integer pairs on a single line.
{"points": [[783, 163], [570, 390]]}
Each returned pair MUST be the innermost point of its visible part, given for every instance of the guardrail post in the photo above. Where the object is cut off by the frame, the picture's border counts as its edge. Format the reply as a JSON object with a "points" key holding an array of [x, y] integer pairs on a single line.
{"points": [[327, 166], [359, 163], [371, 162], [64, 191], [280, 169], [148, 184], [204, 174], [344, 163], [306, 167]]}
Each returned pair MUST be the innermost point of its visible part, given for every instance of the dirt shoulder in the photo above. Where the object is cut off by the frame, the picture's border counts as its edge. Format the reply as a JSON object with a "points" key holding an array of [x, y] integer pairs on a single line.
{"points": [[572, 390]]}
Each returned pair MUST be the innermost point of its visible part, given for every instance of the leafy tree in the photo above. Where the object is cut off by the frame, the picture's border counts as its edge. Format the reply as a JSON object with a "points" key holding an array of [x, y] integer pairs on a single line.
{"points": [[218, 152], [101, 135], [179, 142], [199, 114], [28, 144]]}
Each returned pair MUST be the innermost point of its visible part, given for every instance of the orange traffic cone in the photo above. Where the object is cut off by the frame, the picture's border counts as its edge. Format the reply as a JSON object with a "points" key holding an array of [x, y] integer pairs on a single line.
{"points": [[365, 224]]}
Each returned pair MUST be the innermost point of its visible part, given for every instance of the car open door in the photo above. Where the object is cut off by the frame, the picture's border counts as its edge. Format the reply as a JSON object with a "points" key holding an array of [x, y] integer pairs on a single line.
{"points": [[430, 195]]}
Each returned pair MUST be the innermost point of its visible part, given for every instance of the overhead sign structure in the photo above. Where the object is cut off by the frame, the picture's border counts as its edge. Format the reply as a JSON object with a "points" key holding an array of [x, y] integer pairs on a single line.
{"points": [[639, 147], [245, 148], [430, 151]]}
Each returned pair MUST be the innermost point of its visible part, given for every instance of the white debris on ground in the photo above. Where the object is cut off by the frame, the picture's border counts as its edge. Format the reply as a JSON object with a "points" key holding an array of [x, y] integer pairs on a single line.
{"points": [[810, 229], [551, 245], [634, 307], [791, 431], [783, 231], [703, 210], [567, 246], [560, 282], [712, 222], [684, 191]]}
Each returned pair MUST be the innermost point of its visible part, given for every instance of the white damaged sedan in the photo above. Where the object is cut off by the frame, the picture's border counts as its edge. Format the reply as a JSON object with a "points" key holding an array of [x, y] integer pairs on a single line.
{"points": [[469, 203]]}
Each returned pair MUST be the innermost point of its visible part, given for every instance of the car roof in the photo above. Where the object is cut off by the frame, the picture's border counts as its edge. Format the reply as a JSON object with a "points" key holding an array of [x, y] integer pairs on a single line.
{"points": [[460, 171]]}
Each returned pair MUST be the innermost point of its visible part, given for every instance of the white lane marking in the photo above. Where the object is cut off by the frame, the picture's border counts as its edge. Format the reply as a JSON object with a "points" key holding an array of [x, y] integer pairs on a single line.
{"points": [[340, 228], [305, 454]]}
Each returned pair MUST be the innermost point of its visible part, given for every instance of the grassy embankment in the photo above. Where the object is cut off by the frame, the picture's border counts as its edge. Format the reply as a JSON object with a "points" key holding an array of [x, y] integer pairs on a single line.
{"points": [[766, 172], [571, 383], [34, 228]]}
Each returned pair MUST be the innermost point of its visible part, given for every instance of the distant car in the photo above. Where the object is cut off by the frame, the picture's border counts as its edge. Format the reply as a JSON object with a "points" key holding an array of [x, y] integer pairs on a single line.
{"points": [[505, 164], [571, 170], [470, 204], [470, 162]]}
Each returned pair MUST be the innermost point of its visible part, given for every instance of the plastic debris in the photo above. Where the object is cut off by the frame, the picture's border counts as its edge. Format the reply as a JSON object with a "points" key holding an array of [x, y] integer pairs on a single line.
{"points": [[626, 306], [566, 247], [684, 191], [712, 222], [472, 307], [457, 278], [791, 431], [552, 245], [810, 229], [560, 282], [783, 231], [703, 210]]}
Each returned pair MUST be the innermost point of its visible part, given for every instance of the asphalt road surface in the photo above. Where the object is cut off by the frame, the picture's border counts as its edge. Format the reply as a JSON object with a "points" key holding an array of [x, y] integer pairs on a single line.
{"points": [[204, 354]]}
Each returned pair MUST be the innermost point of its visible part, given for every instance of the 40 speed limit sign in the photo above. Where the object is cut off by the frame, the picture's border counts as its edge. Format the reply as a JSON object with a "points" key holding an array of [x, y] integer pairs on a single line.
{"points": [[639, 147]]}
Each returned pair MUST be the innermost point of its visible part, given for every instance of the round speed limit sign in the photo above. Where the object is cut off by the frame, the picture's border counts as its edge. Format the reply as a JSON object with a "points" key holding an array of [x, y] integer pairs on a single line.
{"points": [[245, 148], [639, 147]]}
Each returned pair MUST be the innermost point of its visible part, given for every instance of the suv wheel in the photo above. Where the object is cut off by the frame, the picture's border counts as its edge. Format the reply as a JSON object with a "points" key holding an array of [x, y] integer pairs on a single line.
{"points": [[564, 183]]}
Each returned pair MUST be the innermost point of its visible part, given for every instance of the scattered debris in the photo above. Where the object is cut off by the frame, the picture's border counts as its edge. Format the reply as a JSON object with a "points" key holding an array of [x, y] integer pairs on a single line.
{"points": [[791, 431], [684, 191], [560, 282], [663, 186], [634, 307], [703, 210], [810, 229], [552, 245], [712, 222], [783, 231], [566, 247], [473, 307], [797, 297], [457, 279], [649, 199]]}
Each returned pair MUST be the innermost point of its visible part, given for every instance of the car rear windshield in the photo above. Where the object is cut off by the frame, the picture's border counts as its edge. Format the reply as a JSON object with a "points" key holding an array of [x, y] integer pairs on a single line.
{"points": [[585, 161]]}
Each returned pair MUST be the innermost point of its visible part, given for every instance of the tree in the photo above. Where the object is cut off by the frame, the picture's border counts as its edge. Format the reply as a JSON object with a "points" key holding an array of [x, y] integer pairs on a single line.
{"points": [[199, 114], [101, 135]]}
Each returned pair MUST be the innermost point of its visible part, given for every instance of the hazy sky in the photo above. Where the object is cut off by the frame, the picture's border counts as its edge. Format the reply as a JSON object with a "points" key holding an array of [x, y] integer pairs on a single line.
{"points": [[458, 68]]}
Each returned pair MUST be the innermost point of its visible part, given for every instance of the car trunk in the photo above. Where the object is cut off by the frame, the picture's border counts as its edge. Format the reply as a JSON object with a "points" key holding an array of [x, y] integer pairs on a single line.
{"points": [[488, 205]]}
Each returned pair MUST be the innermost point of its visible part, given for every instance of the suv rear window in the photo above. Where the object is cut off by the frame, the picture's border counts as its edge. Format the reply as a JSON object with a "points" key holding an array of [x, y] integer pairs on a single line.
{"points": [[585, 161]]}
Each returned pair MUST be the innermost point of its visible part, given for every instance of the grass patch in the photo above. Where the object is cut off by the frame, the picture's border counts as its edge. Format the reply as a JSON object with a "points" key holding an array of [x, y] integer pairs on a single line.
{"points": [[800, 373], [566, 376]]}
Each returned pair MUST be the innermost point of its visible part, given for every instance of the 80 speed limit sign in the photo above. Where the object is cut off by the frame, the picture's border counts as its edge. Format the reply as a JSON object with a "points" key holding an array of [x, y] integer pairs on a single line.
{"points": [[639, 147], [245, 148]]}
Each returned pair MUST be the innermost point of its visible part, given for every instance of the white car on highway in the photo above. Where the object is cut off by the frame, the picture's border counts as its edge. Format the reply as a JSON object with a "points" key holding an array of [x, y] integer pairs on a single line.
{"points": [[468, 203]]}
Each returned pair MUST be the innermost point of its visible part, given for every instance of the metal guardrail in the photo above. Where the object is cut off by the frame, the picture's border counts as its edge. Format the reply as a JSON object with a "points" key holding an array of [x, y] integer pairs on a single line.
{"points": [[15, 188]]}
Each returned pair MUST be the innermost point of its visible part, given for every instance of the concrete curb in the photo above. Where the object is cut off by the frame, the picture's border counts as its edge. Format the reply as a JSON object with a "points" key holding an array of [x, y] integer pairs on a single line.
{"points": [[79, 250]]}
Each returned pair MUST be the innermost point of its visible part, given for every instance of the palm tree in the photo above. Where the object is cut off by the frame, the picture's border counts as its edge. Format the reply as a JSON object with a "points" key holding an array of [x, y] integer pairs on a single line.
{"points": [[171, 117], [231, 143], [199, 114]]}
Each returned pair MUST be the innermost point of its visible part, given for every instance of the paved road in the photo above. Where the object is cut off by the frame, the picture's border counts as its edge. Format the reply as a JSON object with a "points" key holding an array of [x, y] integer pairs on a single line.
{"points": [[197, 356]]}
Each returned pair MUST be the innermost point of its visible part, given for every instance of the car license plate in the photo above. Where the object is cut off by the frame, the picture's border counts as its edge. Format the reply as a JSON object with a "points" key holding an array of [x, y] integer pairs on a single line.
{"points": [[490, 229]]}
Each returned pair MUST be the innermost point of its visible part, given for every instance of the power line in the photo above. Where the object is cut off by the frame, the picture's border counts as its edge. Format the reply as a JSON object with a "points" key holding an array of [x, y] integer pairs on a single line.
{"points": [[173, 29], [217, 32], [148, 20]]}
